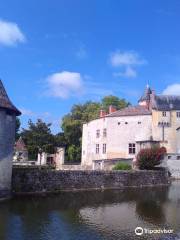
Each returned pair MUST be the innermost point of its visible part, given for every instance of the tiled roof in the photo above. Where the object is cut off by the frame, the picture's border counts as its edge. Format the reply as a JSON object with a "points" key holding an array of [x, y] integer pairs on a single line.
{"points": [[166, 102], [5, 102], [130, 111]]}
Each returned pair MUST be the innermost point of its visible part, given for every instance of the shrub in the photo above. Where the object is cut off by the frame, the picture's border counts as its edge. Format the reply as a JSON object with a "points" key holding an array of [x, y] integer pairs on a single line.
{"points": [[122, 166], [148, 158]]}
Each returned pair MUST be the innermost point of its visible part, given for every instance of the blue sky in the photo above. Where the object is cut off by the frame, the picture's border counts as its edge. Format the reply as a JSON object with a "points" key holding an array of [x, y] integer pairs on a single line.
{"points": [[61, 52]]}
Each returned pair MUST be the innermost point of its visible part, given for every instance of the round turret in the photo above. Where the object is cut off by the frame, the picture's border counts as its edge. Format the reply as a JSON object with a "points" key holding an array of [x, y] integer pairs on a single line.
{"points": [[146, 97], [8, 113]]}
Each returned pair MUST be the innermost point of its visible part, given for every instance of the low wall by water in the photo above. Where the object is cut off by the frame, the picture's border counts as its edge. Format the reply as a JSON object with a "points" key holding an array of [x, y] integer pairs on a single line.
{"points": [[34, 180]]}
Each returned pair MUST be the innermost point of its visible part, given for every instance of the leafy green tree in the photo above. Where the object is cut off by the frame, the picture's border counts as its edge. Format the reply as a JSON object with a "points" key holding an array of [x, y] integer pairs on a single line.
{"points": [[74, 153], [38, 135], [60, 140], [114, 101]]}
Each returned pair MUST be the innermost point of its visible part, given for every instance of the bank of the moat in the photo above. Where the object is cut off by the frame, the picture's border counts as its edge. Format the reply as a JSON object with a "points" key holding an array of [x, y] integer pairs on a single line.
{"points": [[34, 180], [97, 215]]}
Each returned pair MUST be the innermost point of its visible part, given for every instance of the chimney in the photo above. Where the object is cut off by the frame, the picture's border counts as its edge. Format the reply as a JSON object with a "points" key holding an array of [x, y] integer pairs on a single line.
{"points": [[112, 109], [102, 113]]}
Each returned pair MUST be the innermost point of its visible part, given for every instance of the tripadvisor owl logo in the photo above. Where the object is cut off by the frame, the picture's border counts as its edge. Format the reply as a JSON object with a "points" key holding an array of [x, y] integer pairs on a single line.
{"points": [[139, 231]]}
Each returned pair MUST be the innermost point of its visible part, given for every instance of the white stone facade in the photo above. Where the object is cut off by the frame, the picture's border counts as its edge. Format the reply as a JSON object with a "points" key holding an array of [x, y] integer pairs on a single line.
{"points": [[120, 132], [156, 120]]}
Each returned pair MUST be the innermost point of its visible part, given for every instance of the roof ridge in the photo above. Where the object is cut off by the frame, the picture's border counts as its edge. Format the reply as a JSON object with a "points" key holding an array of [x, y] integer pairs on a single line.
{"points": [[133, 110]]}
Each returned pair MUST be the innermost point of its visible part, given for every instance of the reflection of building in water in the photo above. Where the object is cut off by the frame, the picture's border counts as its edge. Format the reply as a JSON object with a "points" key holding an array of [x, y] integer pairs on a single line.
{"points": [[20, 151], [172, 206], [119, 134], [118, 217]]}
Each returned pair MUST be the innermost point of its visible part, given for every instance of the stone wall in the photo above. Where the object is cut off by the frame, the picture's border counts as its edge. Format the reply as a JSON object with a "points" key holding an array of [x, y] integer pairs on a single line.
{"points": [[7, 134], [34, 180], [74, 167]]}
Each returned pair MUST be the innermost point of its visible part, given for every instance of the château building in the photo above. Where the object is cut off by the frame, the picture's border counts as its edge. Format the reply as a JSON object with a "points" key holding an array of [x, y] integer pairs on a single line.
{"points": [[119, 135]]}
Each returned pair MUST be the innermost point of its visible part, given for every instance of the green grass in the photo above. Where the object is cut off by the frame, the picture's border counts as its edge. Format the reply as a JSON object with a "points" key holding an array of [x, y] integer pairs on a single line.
{"points": [[122, 166]]}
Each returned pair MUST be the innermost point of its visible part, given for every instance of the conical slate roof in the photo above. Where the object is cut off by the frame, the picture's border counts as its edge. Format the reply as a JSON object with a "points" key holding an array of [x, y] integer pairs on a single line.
{"points": [[5, 102]]}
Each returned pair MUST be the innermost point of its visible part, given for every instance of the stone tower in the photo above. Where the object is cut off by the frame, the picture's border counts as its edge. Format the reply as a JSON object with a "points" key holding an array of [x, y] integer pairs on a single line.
{"points": [[8, 113], [145, 99]]}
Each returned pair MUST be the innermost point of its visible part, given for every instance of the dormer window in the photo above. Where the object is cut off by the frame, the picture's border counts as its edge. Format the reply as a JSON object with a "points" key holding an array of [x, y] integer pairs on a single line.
{"points": [[164, 114]]}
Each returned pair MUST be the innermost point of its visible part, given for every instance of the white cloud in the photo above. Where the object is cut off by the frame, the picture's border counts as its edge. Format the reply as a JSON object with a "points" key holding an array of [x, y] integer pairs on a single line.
{"points": [[126, 59], [128, 73], [127, 62], [10, 33], [173, 89], [64, 84]]}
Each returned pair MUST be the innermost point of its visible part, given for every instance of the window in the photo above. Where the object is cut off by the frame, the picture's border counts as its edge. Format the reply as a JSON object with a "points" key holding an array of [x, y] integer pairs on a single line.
{"points": [[159, 124], [104, 148], [119, 123], [164, 114], [126, 122], [98, 133], [169, 157], [139, 122], [104, 132], [178, 114], [132, 148], [97, 148], [83, 152]]}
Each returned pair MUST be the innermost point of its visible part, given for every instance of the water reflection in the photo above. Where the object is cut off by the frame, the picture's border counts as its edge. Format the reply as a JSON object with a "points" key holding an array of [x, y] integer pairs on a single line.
{"points": [[91, 215]]}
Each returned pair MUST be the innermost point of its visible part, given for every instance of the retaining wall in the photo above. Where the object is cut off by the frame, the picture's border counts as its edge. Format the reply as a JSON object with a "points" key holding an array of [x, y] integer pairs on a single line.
{"points": [[33, 180]]}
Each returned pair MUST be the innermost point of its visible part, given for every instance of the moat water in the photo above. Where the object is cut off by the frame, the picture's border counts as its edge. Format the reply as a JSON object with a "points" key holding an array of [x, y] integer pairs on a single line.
{"points": [[96, 215]]}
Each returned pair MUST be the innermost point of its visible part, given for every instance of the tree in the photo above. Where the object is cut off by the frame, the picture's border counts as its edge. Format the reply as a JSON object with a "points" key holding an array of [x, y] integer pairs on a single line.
{"points": [[74, 153], [114, 101], [17, 127], [38, 135]]}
